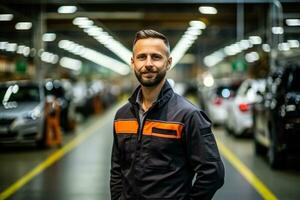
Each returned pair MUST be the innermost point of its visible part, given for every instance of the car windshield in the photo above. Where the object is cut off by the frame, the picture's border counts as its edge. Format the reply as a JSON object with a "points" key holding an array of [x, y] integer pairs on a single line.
{"points": [[17, 93], [227, 91]]}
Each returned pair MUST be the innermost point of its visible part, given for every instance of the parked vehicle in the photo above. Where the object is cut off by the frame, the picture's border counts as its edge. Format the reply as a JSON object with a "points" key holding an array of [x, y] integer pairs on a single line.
{"points": [[240, 120], [218, 101], [277, 117], [21, 112]]}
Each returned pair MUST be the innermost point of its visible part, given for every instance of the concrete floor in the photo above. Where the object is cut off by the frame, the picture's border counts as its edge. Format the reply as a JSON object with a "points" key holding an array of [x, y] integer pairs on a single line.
{"points": [[83, 173]]}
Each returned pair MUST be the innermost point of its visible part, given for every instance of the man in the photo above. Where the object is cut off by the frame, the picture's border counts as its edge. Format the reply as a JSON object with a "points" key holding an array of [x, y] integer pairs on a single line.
{"points": [[160, 139]]}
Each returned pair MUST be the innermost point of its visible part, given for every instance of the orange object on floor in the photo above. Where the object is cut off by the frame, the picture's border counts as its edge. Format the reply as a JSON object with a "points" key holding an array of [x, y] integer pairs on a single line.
{"points": [[53, 130], [97, 106]]}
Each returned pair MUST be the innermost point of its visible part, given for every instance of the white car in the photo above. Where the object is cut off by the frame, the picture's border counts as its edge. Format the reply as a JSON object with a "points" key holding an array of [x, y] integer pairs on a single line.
{"points": [[218, 101], [239, 120]]}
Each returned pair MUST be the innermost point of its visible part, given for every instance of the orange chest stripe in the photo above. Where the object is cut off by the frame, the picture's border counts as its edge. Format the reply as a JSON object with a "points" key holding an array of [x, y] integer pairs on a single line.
{"points": [[175, 127], [130, 126]]}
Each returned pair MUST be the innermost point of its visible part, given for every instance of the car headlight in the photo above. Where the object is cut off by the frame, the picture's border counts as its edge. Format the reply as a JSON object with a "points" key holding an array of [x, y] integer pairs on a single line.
{"points": [[17, 122], [34, 114]]}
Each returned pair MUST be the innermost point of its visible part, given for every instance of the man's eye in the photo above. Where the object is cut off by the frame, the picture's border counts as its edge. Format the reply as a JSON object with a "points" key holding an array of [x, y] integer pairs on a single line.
{"points": [[156, 57], [141, 57]]}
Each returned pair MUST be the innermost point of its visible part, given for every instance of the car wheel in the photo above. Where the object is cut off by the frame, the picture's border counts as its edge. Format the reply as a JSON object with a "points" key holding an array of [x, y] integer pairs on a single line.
{"points": [[259, 149], [41, 143], [276, 158]]}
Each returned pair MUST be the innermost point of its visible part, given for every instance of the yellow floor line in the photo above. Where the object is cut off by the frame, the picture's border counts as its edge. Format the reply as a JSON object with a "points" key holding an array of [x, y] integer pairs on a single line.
{"points": [[55, 156], [246, 173]]}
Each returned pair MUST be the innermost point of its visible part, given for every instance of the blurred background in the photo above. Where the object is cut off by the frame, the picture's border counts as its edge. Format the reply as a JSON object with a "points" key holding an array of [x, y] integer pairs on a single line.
{"points": [[65, 69]]}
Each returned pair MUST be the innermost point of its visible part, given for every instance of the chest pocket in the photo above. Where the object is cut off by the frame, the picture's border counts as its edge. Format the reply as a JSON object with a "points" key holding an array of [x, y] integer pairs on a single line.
{"points": [[168, 130], [163, 144]]}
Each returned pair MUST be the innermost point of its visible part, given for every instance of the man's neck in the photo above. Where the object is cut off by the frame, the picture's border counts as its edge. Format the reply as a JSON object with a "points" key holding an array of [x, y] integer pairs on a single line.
{"points": [[150, 94]]}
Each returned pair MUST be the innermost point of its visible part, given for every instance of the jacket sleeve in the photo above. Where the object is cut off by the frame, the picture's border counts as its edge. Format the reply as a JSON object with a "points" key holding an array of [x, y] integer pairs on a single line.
{"points": [[115, 172], [203, 157]]}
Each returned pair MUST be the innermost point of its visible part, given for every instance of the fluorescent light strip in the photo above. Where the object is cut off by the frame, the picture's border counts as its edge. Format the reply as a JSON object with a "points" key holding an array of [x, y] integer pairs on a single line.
{"points": [[14, 47], [277, 30], [70, 63], [95, 57], [6, 17], [49, 37], [234, 49], [214, 58], [67, 9], [292, 22], [186, 41], [23, 25], [104, 38], [49, 57], [209, 10], [252, 57]]}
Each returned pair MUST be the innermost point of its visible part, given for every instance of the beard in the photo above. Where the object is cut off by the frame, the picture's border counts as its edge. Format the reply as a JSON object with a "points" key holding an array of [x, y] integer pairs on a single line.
{"points": [[155, 80]]}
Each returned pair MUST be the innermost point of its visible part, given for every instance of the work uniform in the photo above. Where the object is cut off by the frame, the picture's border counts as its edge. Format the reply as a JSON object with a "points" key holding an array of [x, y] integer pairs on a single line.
{"points": [[157, 154]]}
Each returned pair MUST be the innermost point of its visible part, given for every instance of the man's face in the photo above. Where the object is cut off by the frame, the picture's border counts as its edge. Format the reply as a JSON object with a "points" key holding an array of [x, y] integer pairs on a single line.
{"points": [[150, 61]]}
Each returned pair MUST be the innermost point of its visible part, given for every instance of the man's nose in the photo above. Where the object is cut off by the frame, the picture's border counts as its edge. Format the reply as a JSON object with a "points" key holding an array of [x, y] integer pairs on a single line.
{"points": [[148, 61]]}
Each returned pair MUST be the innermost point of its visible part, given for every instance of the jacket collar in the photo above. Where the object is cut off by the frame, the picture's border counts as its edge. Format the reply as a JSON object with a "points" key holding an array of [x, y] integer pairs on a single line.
{"points": [[165, 94]]}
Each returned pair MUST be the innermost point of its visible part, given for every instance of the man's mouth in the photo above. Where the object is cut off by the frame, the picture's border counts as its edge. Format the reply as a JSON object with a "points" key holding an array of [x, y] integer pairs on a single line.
{"points": [[148, 74]]}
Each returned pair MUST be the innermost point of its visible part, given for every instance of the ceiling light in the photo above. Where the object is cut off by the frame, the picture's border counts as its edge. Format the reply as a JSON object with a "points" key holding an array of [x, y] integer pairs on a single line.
{"points": [[197, 24], [252, 57], [293, 43], [104, 38], [70, 63], [208, 80], [277, 30], [20, 49], [186, 41], [23, 25], [255, 39], [6, 17], [266, 47], [292, 22], [11, 47], [3, 45], [283, 46], [95, 57], [67, 9], [232, 49], [208, 10], [83, 22], [194, 32], [49, 57], [26, 51], [49, 37], [214, 58], [245, 44]]}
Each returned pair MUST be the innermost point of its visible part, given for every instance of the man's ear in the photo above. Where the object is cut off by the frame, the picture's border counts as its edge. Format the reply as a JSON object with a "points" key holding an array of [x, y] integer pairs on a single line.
{"points": [[169, 63], [131, 62]]}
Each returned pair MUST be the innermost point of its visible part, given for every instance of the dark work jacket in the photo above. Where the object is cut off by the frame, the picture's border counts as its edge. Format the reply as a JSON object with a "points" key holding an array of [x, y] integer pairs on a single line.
{"points": [[158, 159]]}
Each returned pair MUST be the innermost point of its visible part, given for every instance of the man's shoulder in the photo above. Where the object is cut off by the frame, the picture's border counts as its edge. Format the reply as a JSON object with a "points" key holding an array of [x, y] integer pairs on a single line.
{"points": [[184, 104], [123, 110]]}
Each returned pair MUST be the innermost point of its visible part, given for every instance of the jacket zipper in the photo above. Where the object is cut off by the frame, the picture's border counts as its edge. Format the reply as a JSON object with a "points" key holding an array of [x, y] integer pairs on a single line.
{"points": [[142, 123]]}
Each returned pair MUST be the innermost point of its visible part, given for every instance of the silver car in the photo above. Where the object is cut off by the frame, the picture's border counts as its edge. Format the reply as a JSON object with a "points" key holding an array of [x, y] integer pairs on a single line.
{"points": [[21, 112], [239, 120]]}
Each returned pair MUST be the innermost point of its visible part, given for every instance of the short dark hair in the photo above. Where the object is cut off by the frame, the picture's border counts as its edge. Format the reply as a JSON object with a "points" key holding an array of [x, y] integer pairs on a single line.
{"points": [[144, 34]]}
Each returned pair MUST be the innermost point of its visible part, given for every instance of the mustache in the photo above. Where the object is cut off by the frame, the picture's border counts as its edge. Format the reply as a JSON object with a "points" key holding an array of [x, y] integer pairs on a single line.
{"points": [[148, 71]]}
